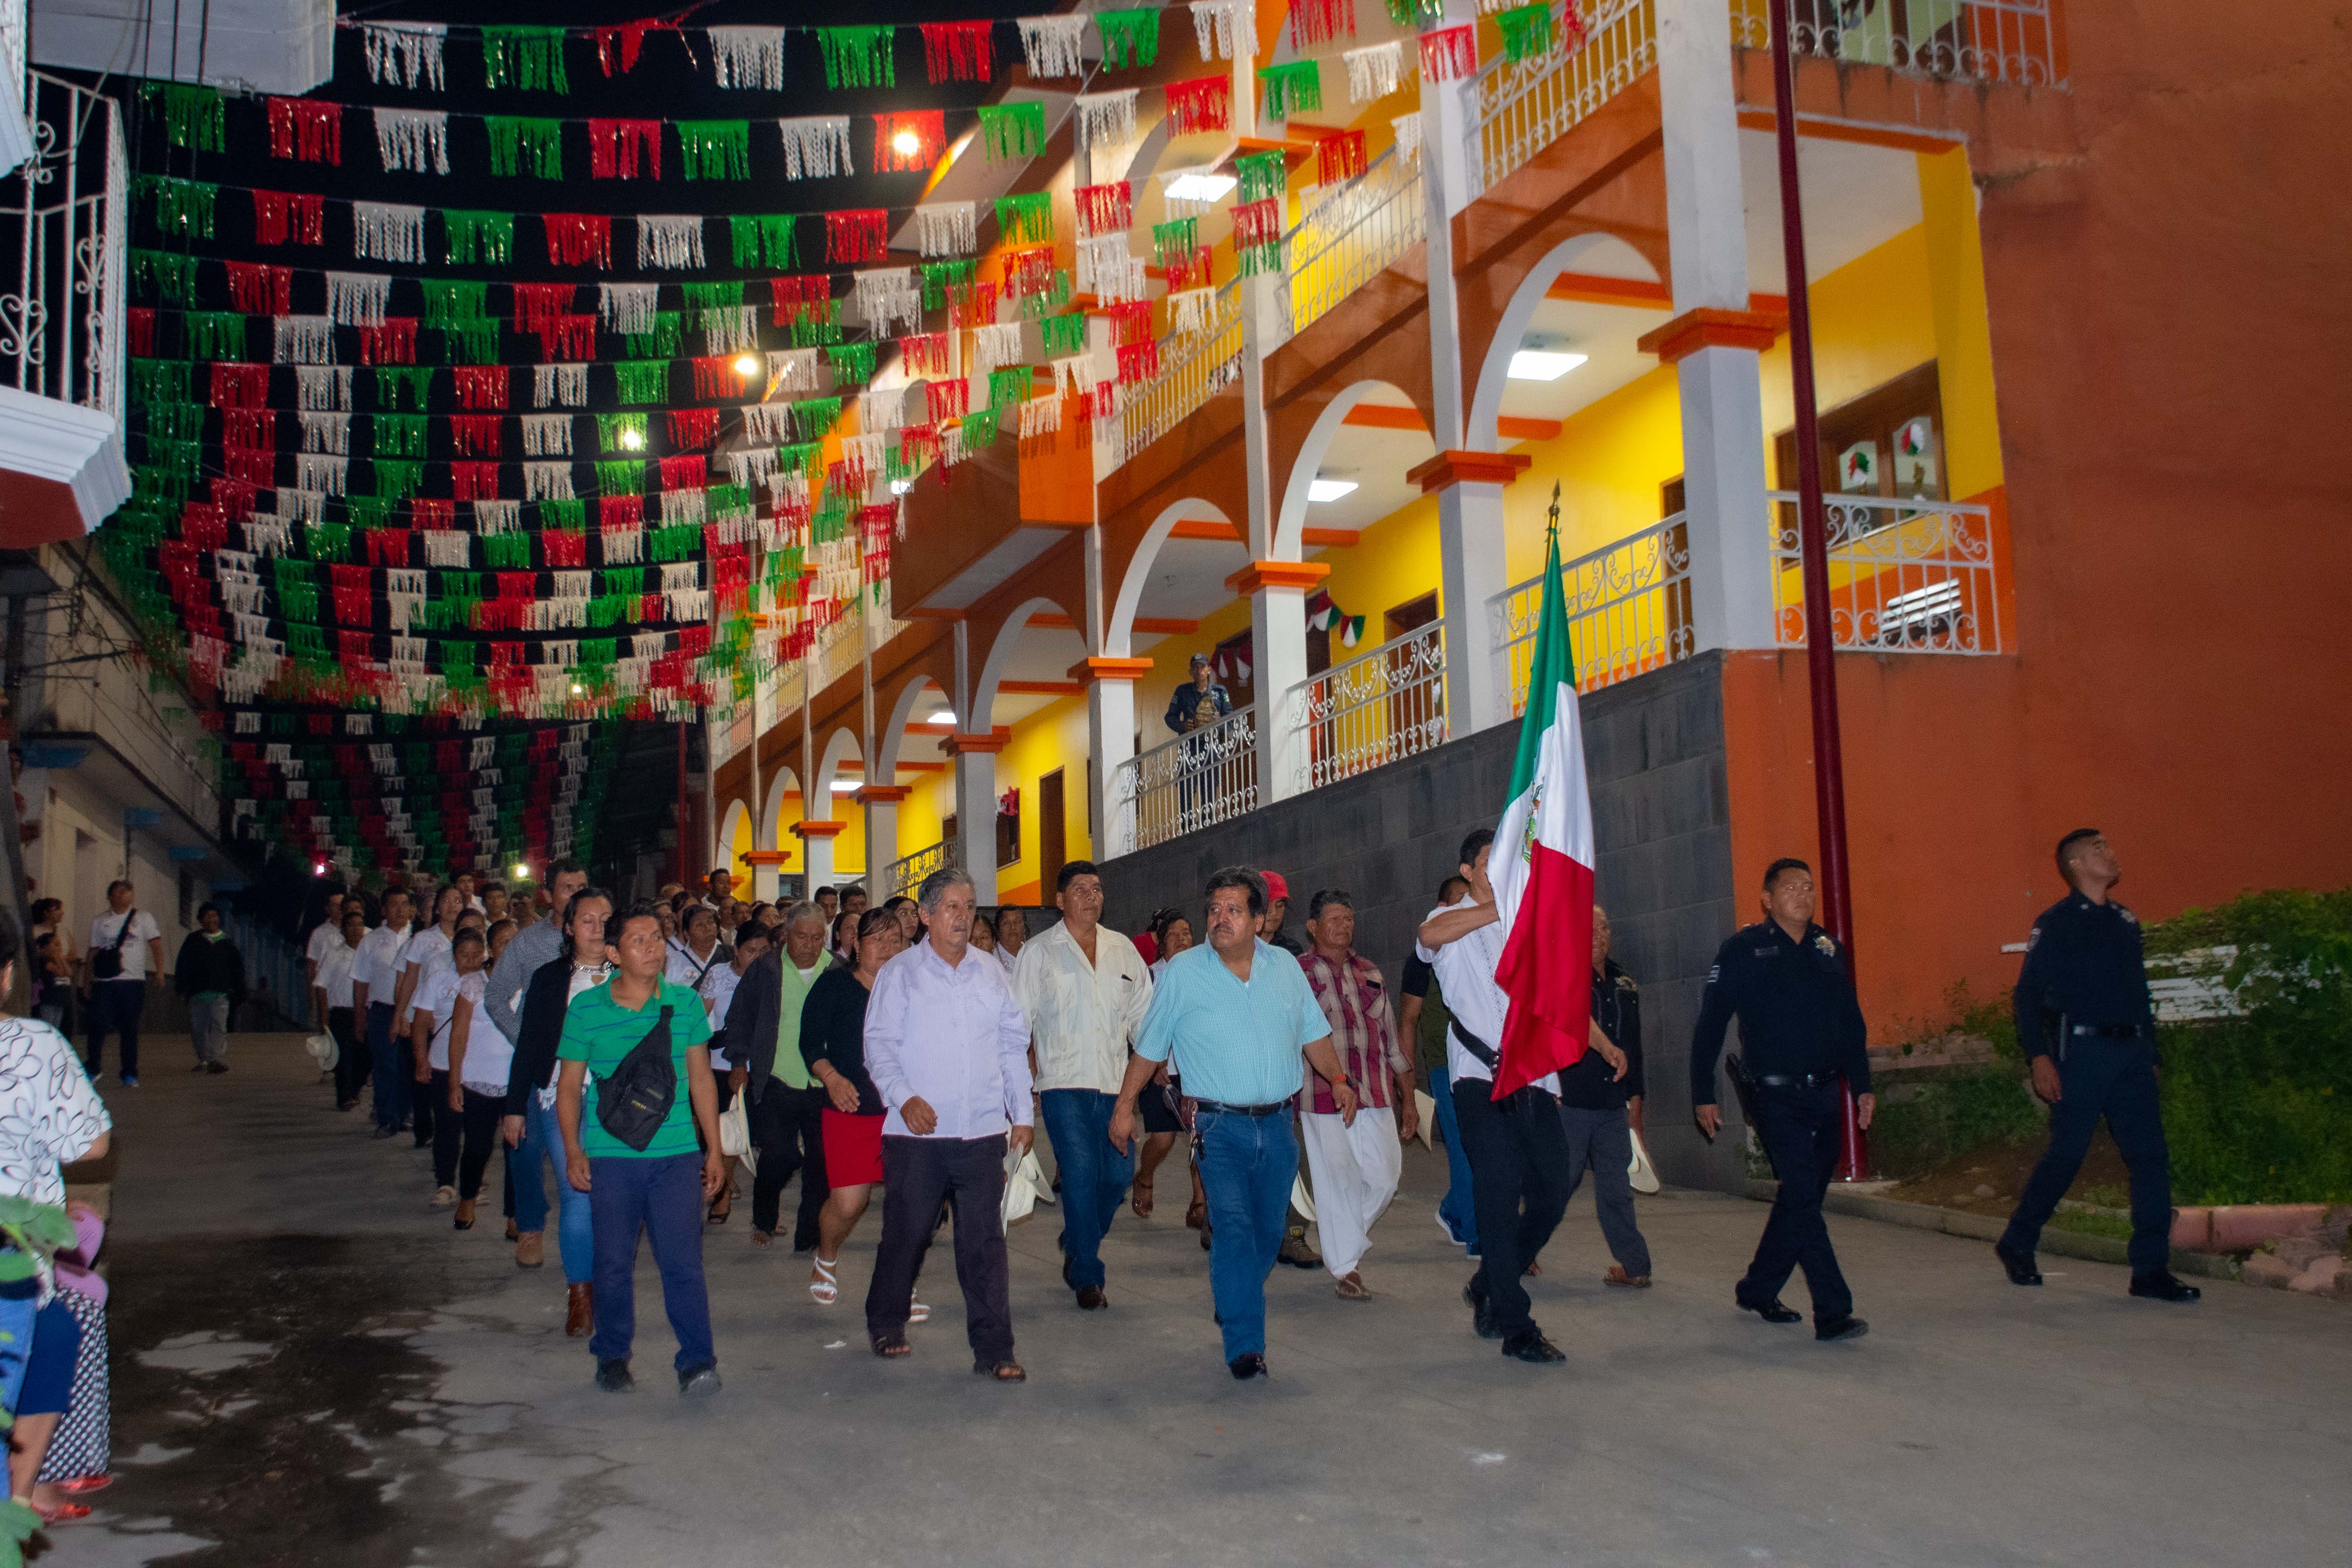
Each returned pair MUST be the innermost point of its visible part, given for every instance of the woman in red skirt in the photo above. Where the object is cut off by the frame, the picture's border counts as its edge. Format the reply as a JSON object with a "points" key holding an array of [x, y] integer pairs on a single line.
{"points": [[832, 1040]]}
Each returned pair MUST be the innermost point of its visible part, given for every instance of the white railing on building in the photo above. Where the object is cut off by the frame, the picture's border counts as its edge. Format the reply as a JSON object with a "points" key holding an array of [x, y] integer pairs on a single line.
{"points": [[1194, 782], [906, 874], [1628, 611], [2014, 42], [1194, 366], [1353, 232], [1382, 706], [1517, 110], [66, 231], [16, 129], [1905, 576]]}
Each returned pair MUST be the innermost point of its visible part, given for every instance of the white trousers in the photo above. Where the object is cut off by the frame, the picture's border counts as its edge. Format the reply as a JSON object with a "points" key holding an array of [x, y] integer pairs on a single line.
{"points": [[1355, 1171]]}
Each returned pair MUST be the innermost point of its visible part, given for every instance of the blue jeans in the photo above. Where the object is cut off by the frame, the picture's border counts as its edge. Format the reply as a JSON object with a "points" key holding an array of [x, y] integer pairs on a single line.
{"points": [[1247, 1165], [384, 1052], [1458, 1209], [663, 1198], [16, 1314], [1094, 1174], [575, 1234]]}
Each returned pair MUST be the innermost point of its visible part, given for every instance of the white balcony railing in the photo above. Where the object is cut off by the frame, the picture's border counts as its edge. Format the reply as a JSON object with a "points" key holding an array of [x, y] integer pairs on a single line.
{"points": [[65, 229], [1518, 110], [1380, 707], [1905, 576], [906, 874], [1353, 232], [1194, 366], [1628, 611], [15, 131], [1194, 782], [2014, 42]]}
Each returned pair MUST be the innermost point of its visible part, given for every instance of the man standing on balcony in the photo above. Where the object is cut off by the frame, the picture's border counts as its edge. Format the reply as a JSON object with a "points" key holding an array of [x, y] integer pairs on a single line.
{"points": [[1235, 1015], [1083, 988], [1197, 704], [1356, 1163]]}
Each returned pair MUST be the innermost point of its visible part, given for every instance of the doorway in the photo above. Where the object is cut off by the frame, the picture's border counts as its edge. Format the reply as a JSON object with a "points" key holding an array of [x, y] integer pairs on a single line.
{"points": [[1053, 841]]}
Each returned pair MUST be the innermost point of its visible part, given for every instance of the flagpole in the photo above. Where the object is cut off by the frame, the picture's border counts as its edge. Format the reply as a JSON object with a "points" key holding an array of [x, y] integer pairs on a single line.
{"points": [[1813, 538]]}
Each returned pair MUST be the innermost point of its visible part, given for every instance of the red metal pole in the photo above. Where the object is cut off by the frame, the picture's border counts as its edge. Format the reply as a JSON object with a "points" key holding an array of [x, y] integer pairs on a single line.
{"points": [[1813, 538], [681, 806]]}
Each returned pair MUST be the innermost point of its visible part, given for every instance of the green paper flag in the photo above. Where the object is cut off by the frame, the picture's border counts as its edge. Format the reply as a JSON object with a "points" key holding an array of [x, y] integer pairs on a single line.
{"points": [[170, 279], [621, 432], [939, 276], [1262, 174], [763, 241], [1026, 219], [506, 551], [857, 56], [1416, 13], [716, 148], [1526, 30], [817, 324], [181, 207], [194, 117], [621, 479], [564, 511], [713, 296], [518, 142], [530, 59], [980, 428], [399, 436], [812, 416], [215, 334], [660, 343], [451, 302], [1008, 386], [398, 480], [396, 385], [1064, 335], [477, 238], [643, 381], [1297, 85], [1130, 37], [851, 362], [1012, 129], [1177, 237]]}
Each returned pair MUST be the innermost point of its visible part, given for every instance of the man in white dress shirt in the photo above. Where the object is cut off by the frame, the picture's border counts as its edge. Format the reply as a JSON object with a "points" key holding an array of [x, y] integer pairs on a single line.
{"points": [[948, 1050], [375, 972], [1083, 988], [322, 938], [1517, 1147]]}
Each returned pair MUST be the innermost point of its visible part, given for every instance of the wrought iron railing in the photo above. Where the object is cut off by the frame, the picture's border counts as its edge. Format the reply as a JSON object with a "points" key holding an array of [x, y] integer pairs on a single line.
{"points": [[67, 229], [1194, 366], [1517, 110], [1629, 611], [1380, 707], [906, 874], [1352, 234], [1905, 576], [1194, 782], [2008, 41]]}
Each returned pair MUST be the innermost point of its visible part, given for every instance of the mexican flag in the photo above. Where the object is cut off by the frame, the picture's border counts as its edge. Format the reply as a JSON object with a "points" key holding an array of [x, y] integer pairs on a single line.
{"points": [[1541, 867]]}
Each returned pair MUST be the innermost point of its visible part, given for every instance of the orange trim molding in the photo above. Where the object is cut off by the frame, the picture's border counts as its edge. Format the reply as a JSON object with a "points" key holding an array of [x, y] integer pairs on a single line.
{"points": [[765, 857], [1092, 670], [956, 745], [1828, 130], [882, 794], [1518, 428], [1383, 416], [1458, 467], [1039, 687], [1708, 327], [1260, 574], [807, 830]]}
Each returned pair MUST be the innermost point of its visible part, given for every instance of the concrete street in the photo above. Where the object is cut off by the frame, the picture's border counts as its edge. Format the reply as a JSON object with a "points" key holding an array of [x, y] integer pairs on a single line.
{"points": [[311, 1368]]}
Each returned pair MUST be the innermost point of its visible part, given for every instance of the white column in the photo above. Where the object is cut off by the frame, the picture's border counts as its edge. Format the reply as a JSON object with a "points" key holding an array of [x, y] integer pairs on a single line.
{"points": [[1278, 664], [1722, 403], [816, 856], [1471, 571], [881, 804], [1446, 185], [975, 793], [1111, 729]]}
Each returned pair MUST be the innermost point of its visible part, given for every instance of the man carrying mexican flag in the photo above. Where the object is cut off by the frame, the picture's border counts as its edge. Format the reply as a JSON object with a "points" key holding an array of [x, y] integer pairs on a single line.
{"points": [[1515, 959]]}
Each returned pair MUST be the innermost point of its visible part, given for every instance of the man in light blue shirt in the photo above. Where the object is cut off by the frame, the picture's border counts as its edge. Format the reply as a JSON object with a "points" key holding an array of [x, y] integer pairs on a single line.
{"points": [[1237, 1014]]}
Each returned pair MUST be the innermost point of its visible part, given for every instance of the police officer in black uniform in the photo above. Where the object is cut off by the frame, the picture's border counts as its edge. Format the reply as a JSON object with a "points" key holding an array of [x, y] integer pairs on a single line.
{"points": [[2089, 1030], [1801, 1030]]}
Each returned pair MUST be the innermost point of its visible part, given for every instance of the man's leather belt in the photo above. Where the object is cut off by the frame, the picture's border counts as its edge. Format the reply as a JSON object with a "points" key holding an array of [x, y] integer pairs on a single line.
{"points": [[1220, 1108], [1796, 1079]]}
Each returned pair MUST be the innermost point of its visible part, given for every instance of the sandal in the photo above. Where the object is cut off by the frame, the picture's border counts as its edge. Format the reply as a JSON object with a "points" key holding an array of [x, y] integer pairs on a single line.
{"points": [[1353, 1289], [64, 1514], [917, 1311], [723, 1205], [761, 1238], [1140, 1200], [1001, 1371], [890, 1347], [826, 1286], [82, 1485]]}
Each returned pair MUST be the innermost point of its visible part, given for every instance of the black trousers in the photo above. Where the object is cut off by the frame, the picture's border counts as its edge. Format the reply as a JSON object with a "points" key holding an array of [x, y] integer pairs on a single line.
{"points": [[2115, 1079], [483, 1115], [426, 1109], [1519, 1177], [787, 1130], [448, 1127], [351, 1063], [1801, 1129], [967, 1175]]}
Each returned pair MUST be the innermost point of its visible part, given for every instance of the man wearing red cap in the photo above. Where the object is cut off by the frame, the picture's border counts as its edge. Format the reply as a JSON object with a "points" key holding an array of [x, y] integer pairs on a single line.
{"points": [[1278, 911]]}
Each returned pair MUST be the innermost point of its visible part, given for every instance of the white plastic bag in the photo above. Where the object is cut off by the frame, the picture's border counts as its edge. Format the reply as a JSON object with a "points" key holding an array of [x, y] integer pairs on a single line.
{"points": [[735, 1130], [1645, 1176], [1024, 1180]]}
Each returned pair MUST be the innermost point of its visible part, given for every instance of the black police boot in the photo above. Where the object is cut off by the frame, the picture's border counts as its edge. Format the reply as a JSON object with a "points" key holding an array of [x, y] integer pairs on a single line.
{"points": [[1531, 1346], [1247, 1366], [1772, 1311], [2019, 1264], [1481, 1315], [612, 1376], [2163, 1287], [1844, 1326]]}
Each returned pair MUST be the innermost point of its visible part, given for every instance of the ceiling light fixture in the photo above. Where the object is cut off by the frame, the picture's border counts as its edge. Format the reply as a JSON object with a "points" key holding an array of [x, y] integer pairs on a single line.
{"points": [[633, 438], [1329, 490], [747, 365], [846, 787], [941, 716], [1542, 359], [1199, 187], [900, 487]]}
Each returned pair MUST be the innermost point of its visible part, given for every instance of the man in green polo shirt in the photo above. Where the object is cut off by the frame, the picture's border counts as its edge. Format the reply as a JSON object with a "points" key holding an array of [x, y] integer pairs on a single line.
{"points": [[660, 1189]]}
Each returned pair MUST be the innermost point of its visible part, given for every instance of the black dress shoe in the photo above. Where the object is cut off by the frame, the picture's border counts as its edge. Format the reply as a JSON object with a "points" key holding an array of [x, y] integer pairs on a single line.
{"points": [[697, 1380], [2019, 1264], [1481, 1315], [1845, 1326], [1772, 1311], [612, 1377], [2163, 1287], [1531, 1346], [1245, 1367], [1066, 1281], [1091, 1298]]}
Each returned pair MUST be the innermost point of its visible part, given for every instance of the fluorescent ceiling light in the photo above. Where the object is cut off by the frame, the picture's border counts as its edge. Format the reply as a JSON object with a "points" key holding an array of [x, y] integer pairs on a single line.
{"points": [[1542, 364], [941, 716], [1328, 489], [846, 787], [900, 487], [1199, 187]]}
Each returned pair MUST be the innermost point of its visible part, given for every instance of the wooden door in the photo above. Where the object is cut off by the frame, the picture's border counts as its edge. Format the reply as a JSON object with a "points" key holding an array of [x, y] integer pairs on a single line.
{"points": [[1053, 842]]}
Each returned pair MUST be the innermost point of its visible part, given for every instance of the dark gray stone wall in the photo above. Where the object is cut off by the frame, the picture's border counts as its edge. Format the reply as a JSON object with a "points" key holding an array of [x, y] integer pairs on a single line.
{"points": [[1654, 757]]}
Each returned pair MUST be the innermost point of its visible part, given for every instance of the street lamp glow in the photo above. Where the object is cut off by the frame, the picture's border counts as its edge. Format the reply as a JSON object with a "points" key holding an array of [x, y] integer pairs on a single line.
{"points": [[633, 438], [523, 870], [906, 143], [747, 365]]}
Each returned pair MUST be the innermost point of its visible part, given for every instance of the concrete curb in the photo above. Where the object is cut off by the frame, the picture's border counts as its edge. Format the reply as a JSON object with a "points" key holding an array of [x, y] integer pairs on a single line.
{"points": [[1987, 1228]]}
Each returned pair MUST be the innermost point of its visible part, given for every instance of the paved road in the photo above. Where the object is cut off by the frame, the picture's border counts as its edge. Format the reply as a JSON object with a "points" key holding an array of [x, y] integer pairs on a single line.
{"points": [[313, 1369]]}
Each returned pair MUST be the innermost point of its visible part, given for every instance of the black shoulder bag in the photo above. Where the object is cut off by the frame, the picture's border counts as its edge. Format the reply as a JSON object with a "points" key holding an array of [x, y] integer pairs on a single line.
{"points": [[634, 1099], [106, 964]]}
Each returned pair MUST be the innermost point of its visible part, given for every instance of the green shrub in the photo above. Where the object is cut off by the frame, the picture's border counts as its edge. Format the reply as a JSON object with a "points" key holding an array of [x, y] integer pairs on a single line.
{"points": [[1952, 1114]]}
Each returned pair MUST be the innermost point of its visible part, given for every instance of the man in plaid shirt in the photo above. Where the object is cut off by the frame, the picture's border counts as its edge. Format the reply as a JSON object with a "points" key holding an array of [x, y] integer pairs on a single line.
{"points": [[1355, 1162]]}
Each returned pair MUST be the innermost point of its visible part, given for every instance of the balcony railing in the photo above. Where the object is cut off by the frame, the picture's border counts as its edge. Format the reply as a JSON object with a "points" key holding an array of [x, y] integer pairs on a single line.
{"points": [[2006, 41], [1517, 110], [1905, 576], [1194, 366], [1629, 611], [906, 874], [66, 229], [1194, 782], [1352, 234], [16, 133], [1380, 707]]}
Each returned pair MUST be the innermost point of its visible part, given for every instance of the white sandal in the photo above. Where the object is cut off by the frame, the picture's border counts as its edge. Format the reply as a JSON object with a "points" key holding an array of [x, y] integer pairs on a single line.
{"points": [[915, 1311], [825, 1287]]}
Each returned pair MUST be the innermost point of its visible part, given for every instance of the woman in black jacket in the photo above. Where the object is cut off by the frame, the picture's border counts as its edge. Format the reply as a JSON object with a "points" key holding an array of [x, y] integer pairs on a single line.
{"points": [[532, 1137]]}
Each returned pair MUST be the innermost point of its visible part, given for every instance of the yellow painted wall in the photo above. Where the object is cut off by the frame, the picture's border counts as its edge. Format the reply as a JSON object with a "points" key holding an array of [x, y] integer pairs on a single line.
{"points": [[1963, 323], [1056, 736]]}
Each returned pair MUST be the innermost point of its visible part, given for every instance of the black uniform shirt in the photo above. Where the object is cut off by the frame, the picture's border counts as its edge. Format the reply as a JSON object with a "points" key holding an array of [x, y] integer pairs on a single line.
{"points": [[2082, 963], [1592, 1084], [1797, 1009]]}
